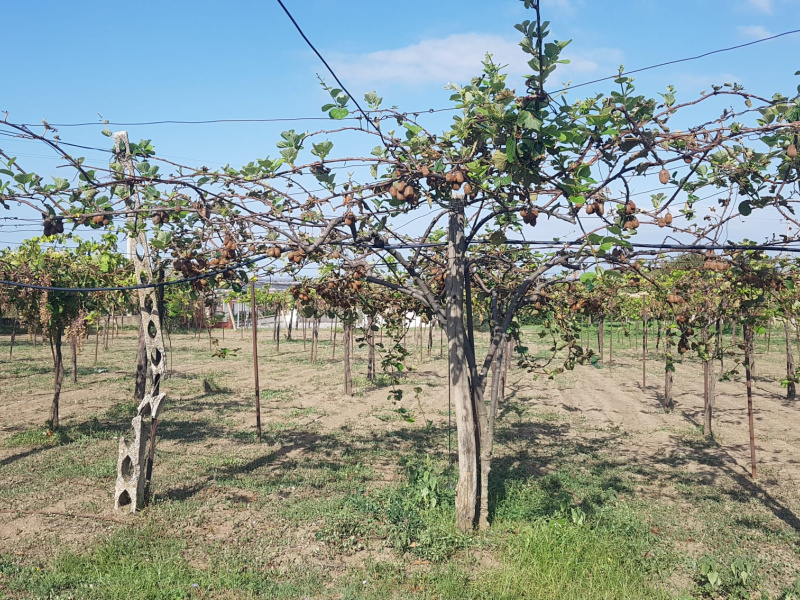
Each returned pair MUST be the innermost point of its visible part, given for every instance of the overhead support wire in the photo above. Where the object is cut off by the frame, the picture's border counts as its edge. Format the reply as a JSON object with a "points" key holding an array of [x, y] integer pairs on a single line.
{"points": [[550, 243], [331, 71]]}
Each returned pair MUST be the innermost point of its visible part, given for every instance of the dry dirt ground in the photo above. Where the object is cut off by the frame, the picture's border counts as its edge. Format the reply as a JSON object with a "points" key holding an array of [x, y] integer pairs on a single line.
{"points": [[215, 486]]}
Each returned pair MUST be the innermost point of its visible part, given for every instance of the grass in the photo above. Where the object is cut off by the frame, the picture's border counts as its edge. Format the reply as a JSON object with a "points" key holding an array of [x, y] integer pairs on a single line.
{"points": [[141, 563], [364, 510]]}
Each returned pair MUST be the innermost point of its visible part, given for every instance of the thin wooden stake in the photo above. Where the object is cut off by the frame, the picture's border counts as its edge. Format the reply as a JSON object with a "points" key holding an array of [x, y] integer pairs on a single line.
{"points": [[747, 334], [255, 358]]}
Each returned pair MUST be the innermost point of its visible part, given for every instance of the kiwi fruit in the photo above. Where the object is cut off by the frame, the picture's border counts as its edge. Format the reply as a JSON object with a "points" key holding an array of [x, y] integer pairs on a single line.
{"points": [[668, 219], [663, 176], [791, 151]]}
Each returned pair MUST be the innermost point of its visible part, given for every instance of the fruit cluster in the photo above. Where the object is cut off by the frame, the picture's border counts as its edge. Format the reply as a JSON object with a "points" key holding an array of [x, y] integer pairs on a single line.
{"points": [[53, 226], [629, 216], [302, 293], [596, 208], [96, 220], [404, 191], [529, 215], [458, 178], [665, 220], [226, 254], [162, 217], [295, 256]]}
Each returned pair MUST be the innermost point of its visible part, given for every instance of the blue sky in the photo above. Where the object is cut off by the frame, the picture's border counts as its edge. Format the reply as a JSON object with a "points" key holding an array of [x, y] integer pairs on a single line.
{"points": [[143, 61]]}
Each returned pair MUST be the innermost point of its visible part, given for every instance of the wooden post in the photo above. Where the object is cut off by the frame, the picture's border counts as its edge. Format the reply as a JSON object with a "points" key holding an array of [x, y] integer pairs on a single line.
{"points": [[644, 354], [611, 341], [278, 329], [747, 335], [791, 387], [348, 378], [334, 338], [669, 367], [255, 358]]}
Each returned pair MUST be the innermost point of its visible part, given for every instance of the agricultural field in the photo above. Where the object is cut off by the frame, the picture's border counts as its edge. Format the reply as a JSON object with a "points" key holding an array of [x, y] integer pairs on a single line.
{"points": [[595, 490], [531, 333]]}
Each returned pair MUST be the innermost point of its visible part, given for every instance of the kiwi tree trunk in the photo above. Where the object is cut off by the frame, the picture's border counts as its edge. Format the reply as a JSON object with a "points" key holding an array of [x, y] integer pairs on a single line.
{"points": [[709, 396], [466, 433], [13, 338], [370, 335], [769, 334], [56, 338], [73, 343], [315, 340], [669, 369]]}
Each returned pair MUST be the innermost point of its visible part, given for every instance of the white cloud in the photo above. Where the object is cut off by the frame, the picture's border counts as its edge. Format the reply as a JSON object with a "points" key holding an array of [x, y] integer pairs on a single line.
{"points": [[458, 57], [755, 32], [764, 6]]}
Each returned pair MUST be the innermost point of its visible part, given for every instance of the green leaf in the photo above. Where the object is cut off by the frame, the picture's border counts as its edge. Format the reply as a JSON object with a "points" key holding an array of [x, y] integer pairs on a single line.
{"points": [[511, 150], [745, 209], [527, 120], [497, 238], [322, 149], [500, 160], [373, 100], [338, 113]]}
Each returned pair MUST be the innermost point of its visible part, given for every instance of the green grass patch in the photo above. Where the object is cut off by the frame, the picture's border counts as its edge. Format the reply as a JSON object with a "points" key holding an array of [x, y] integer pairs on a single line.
{"points": [[133, 564]]}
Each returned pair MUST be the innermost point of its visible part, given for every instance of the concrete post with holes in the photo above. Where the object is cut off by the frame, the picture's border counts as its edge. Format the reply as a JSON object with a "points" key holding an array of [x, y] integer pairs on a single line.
{"points": [[136, 455]]}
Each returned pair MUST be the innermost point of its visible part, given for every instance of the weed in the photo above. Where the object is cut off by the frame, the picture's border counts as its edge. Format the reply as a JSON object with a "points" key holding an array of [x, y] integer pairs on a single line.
{"points": [[738, 580]]}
